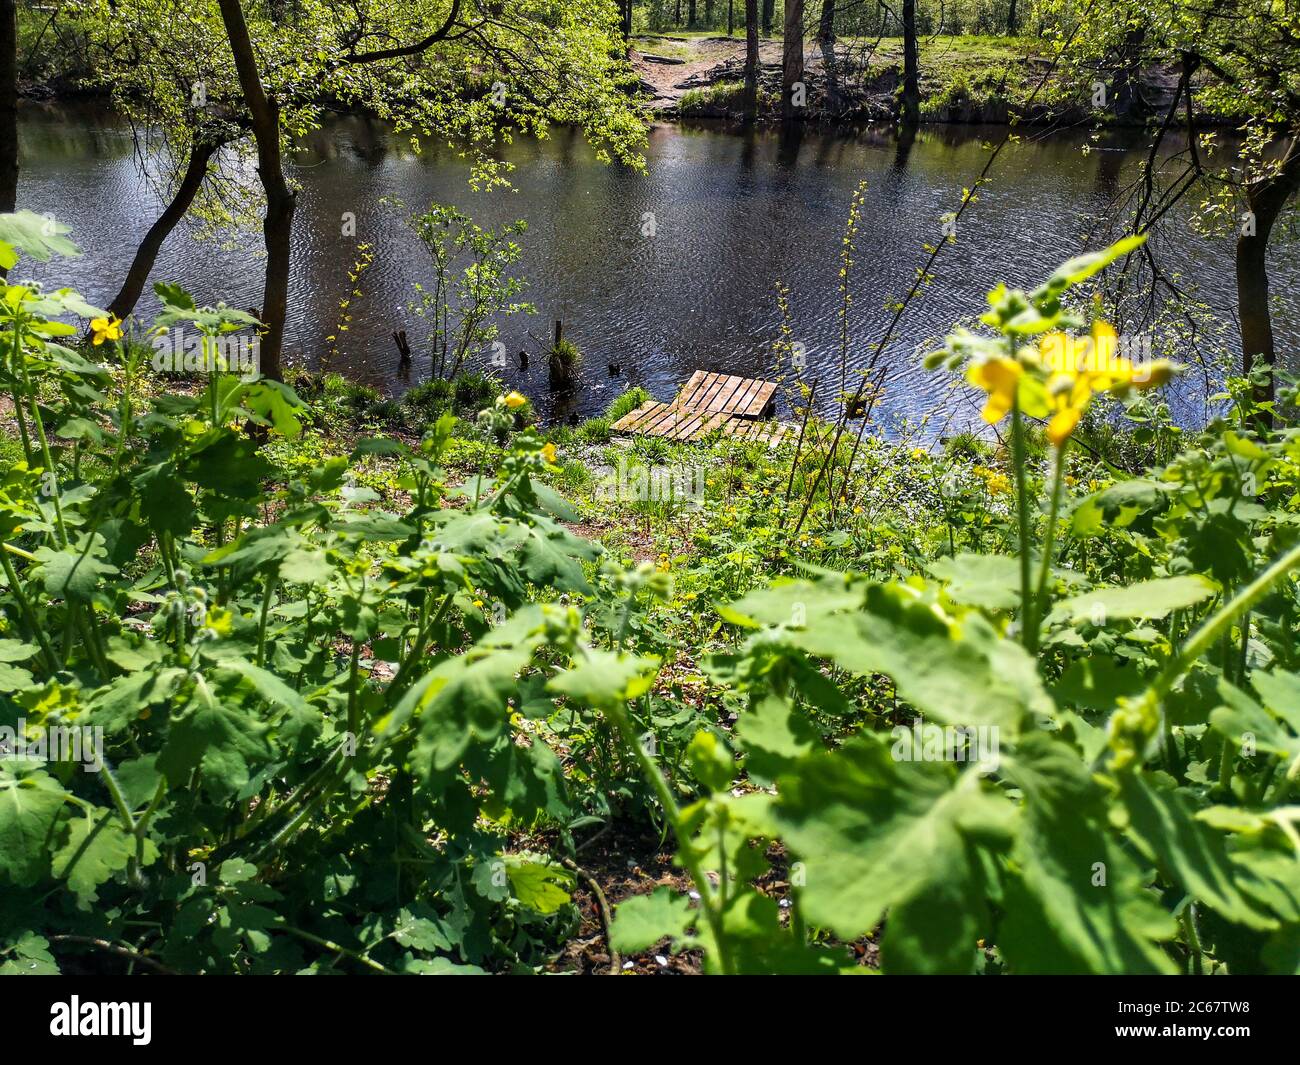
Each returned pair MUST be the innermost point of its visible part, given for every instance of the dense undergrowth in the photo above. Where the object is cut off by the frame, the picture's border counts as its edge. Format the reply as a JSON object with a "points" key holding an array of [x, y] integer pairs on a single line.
{"points": [[359, 693]]}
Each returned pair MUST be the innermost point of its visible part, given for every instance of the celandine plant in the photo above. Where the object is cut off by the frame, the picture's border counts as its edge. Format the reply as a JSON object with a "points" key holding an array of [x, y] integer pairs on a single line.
{"points": [[346, 730]]}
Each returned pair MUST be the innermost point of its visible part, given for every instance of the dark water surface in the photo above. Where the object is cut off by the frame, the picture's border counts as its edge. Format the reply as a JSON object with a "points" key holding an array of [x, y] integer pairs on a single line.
{"points": [[734, 214]]}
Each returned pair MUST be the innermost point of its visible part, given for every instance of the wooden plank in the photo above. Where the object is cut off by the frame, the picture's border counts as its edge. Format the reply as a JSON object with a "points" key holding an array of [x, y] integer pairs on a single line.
{"points": [[757, 400], [697, 380], [686, 428], [700, 389], [708, 421], [755, 432], [726, 398], [660, 420], [633, 418]]}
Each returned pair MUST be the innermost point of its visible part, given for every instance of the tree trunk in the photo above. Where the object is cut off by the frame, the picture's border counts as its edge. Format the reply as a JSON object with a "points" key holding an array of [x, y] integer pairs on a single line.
{"points": [[1127, 88], [1265, 200], [751, 59], [1011, 19], [8, 108], [690, 15], [911, 114], [826, 42], [792, 56], [708, 14], [147, 253], [626, 7], [277, 227], [769, 15], [731, 17], [826, 27]]}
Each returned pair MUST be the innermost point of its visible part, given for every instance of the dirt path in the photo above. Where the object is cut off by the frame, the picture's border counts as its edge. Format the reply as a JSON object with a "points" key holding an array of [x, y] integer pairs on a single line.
{"points": [[671, 66]]}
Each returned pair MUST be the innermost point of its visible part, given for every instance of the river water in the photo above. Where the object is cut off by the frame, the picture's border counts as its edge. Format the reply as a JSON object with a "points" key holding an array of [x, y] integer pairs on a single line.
{"points": [[733, 215]]}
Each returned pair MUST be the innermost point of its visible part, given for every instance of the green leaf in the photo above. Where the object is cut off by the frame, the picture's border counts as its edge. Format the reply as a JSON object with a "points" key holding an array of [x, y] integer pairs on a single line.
{"points": [[874, 832], [1281, 694], [1082, 267], [173, 296], [14, 678], [1078, 905], [775, 735], [96, 848], [1190, 851], [220, 738], [792, 603], [710, 761], [989, 581], [1116, 506], [933, 933], [114, 706], [418, 926], [599, 678], [954, 670], [538, 885], [37, 235], [30, 801], [277, 404], [308, 565], [29, 956], [462, 701], [1144, 601], [552, 557], [73, 572], [643, 920], [265, 683], [1243, 720], [17, 650]]}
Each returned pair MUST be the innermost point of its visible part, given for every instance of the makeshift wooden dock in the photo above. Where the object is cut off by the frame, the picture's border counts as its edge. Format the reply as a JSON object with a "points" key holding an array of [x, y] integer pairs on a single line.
{"points": [[707, 402]]}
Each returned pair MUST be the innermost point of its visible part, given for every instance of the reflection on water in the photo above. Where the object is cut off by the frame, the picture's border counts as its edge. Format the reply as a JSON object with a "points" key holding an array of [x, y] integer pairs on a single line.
{"points": [[733, 215]]}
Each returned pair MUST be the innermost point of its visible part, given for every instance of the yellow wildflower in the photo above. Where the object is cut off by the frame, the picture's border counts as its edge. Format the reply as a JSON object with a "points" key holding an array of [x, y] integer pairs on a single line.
{"points": [[109, 328], [1079, 367], [548, 453], [514, 400], [999, 377], [997, 484]]}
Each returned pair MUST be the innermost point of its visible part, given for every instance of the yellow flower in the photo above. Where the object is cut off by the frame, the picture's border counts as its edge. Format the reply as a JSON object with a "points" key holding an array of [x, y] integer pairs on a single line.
{"points": [[999, 377], [109, 328], [548, 453], [514, 400], [997, 484], [1079, 367]]}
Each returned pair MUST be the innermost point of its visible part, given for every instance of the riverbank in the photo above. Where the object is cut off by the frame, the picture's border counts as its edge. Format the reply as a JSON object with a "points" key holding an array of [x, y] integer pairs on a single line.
{"points": [[966, 80]]}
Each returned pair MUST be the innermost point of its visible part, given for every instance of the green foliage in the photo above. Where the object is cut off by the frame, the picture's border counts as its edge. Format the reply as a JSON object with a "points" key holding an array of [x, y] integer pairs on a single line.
{"points": [[354, 710]]}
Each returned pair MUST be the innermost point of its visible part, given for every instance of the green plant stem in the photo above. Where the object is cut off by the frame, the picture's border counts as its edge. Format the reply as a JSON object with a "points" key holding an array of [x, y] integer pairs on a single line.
{"points": [[18, 406], [46, 456], [267, 595], [1028, 623], [1205, 637], [52, 661], [655, 778], [337, 948], [1188, 920], [1049, 539], [421, 638], [354, 704]]}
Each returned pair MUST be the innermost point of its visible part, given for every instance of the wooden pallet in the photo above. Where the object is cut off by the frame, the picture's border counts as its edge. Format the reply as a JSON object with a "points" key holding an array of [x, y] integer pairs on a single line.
{"points": [[676, 423], [744, 397], [770, 433], [708, 402]]}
